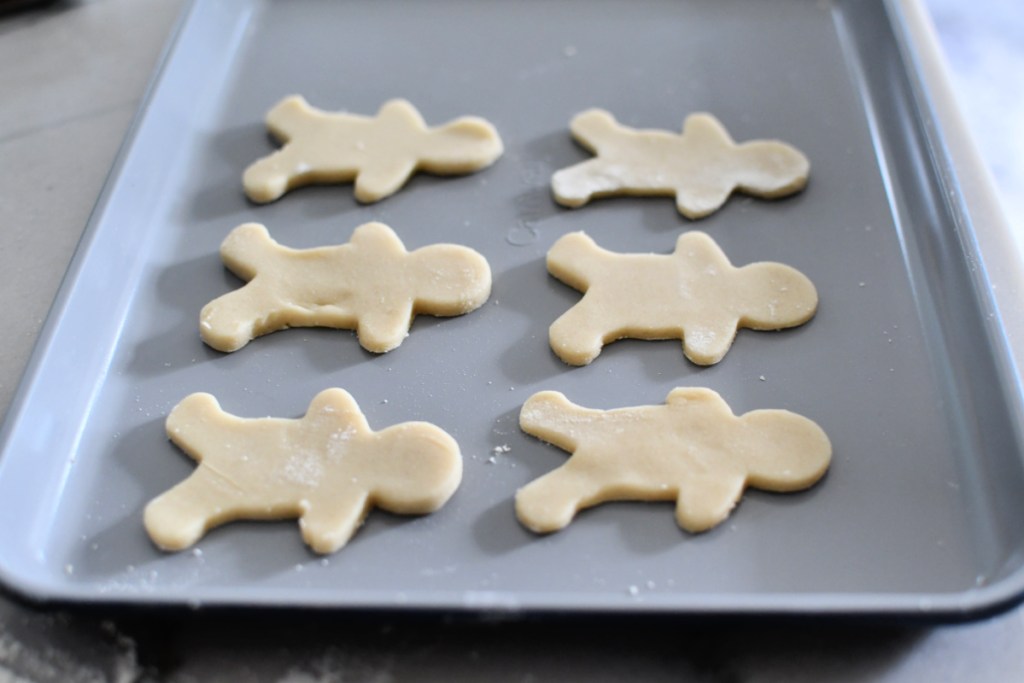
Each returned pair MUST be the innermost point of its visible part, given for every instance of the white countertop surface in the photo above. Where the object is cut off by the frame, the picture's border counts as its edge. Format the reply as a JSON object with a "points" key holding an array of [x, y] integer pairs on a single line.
{"points": [[71, 77]]}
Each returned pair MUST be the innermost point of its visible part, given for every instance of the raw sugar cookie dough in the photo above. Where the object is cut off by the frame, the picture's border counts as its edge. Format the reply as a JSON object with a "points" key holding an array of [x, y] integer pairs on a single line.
{"points": [[693, 294], [379, 153], [701, 167], [692, 450], [372, 285], [328, 469]]}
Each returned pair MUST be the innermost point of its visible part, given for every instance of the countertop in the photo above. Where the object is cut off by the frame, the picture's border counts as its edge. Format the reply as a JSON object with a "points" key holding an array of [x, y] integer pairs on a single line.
{"points": [[71, 77]]}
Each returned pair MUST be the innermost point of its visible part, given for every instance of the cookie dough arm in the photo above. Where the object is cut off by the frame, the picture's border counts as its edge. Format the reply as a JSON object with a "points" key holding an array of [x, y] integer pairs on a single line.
{"points": [[550, 416], [383, 329], [708, 343], [248, 249], [574, 258], [382, 178], [698, 199], [704, 501], [289, 115], [327, 525], [187, 424]]}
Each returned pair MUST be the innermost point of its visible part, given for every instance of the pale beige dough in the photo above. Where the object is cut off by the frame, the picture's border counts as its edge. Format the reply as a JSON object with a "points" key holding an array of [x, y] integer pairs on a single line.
{"points": [[701, 167], [372, 285], [693, 294], [380, 153], [693, 450], [328, 469]]}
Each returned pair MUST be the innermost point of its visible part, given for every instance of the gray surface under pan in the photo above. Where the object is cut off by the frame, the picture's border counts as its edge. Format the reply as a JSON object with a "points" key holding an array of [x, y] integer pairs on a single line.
{"points": [[905, 366]]}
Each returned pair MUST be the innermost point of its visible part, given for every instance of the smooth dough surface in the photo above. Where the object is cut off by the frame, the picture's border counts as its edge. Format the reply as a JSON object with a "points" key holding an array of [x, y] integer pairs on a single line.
{"points": [[372, 285], [379, 153], [692, 450], [693, 294], [701, 167], [328, 469]]}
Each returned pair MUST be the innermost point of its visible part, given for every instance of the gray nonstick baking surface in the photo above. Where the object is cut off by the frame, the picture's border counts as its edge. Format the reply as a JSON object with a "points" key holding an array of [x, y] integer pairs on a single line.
{"points": [[903, 366]]}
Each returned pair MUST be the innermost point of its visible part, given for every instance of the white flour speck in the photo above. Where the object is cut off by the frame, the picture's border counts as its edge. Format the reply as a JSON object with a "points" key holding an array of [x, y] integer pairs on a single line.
{"points": [[304, 468]]}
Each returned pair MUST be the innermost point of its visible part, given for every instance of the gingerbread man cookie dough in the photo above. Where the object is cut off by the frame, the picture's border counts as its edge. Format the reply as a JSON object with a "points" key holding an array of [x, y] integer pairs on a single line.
{"points": [[372, 285], [693, 294], [380, 153], [701, 167], [328, 469], [692, 450]]}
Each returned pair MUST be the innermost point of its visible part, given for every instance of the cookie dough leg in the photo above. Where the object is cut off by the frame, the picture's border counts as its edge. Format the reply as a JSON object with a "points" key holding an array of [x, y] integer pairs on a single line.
{"points": [[575, 338], [549, 503], [326, 526], [270, 177], [705, 501], [231, 321], [708, 344], [180, 517]]}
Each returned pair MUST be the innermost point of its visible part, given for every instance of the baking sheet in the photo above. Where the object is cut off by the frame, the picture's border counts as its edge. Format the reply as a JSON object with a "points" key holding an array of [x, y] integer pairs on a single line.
{"points": [[904, 366]]}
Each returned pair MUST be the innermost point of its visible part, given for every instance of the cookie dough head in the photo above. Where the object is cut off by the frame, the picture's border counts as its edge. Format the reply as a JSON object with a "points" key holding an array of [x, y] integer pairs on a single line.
{"points": [[452, 280], [460, 146], [786, 452], [328, 469], [772, 296], [423, 466], [692, 450]]}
